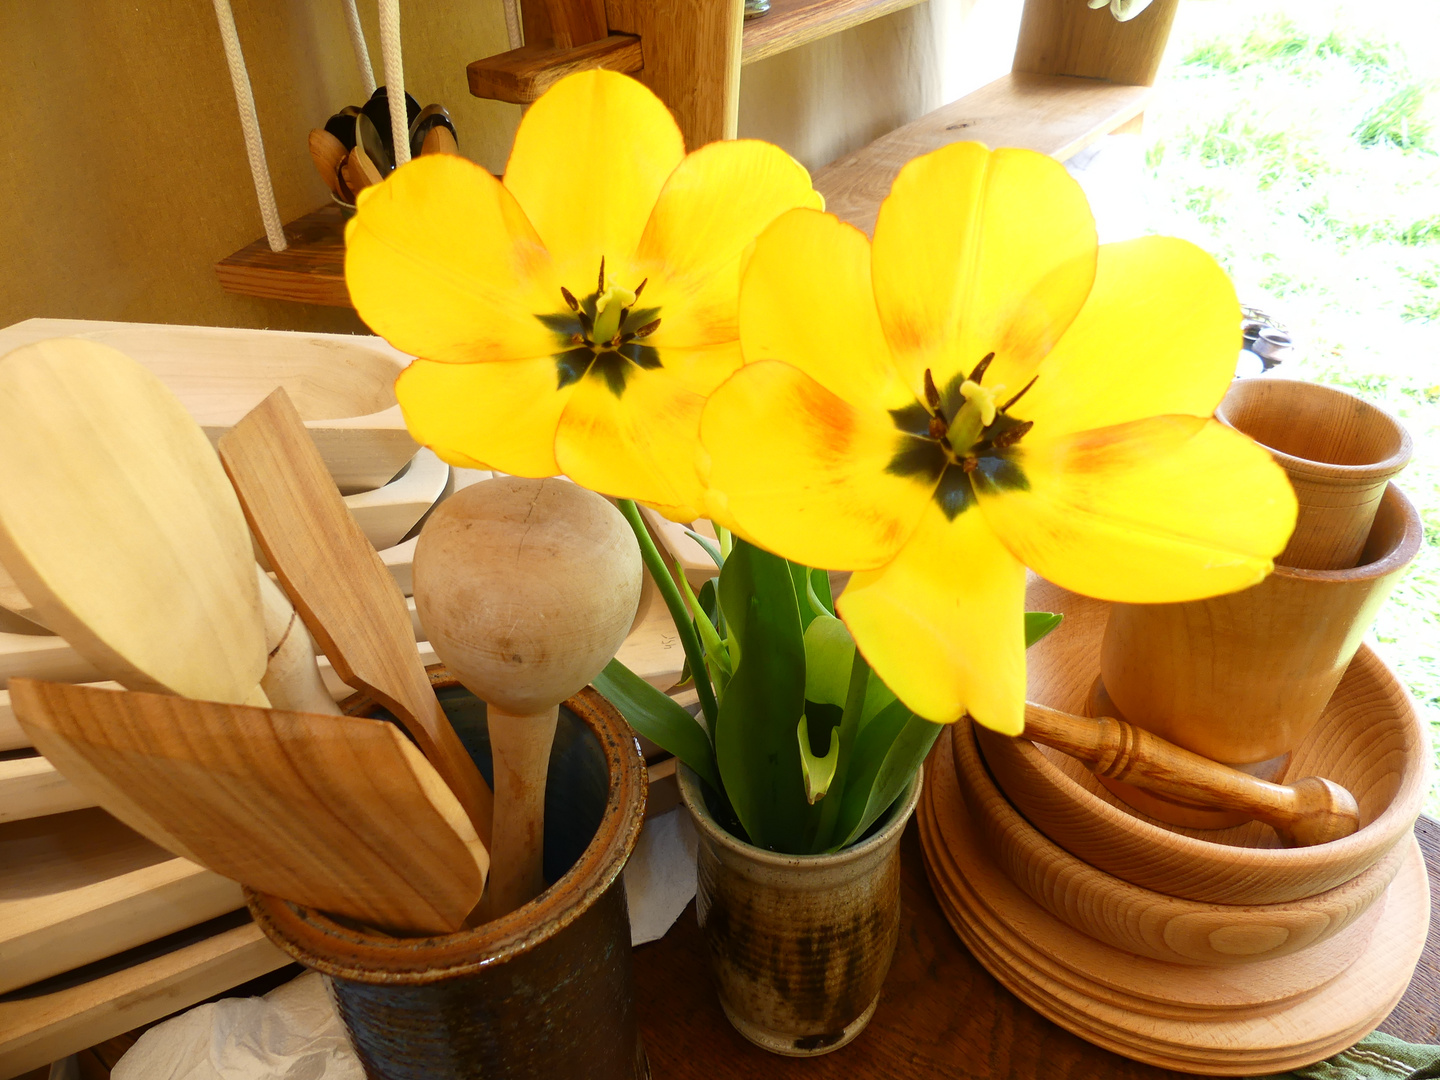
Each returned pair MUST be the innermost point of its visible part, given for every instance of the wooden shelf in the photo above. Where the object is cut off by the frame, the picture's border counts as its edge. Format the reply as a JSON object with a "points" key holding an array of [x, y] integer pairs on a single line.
{"points": [[792, 23], [310, 271], [1057, 115]]}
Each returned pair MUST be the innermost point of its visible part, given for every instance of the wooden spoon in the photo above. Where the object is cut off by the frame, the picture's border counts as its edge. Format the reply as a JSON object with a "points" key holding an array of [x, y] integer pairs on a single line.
{"points": [[344, 815], [359, 172], [1310, 811], [328, 153], [116, 513], [526, 588], [119, 527], [340, 587]]}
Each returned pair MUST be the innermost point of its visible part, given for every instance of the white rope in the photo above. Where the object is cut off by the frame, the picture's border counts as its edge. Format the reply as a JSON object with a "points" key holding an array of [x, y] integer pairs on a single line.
{"points": [[512, 23], [395, 78], [357, 42], [250, 126]]}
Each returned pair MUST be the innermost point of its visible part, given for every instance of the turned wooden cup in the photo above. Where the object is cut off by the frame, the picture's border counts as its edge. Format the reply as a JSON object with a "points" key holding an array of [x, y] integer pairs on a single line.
{"points": [[1242, 678], [1339, 453]]}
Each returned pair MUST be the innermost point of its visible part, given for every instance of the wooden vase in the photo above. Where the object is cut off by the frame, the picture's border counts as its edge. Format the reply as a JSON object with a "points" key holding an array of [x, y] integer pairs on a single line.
{"points": [[1242, 678], [545, 990], [1339, 453], [799, 944]]}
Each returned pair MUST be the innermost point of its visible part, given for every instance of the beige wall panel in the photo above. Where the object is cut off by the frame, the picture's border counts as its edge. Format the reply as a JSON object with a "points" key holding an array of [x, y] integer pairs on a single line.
{"points": [[124, 174]]}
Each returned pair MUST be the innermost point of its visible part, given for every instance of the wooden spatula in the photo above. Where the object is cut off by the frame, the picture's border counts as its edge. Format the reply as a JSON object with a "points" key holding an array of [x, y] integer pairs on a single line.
{"points": [[119, 527], [344, 815], [123, 535], [340, 587], [1312, 810]]}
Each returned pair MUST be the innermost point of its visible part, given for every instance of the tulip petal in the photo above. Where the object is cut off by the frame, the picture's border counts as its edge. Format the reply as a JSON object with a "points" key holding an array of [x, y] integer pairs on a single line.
{"points": [[1161, 510], [639, 445], [589, 160], [944, 623], [442, 263], [806, 299], [802, 472], [713, 206], [1158, 336], [496, 416], [979, 252]]}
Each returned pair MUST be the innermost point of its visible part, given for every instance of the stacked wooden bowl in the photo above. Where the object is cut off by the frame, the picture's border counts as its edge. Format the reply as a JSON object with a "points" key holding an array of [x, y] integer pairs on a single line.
{"points": [[1218, 952]]}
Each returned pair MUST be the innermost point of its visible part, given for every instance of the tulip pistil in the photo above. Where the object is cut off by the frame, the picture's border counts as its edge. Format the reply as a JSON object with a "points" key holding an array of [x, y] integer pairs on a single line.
{"points": [[962, 439], [603, 334]]}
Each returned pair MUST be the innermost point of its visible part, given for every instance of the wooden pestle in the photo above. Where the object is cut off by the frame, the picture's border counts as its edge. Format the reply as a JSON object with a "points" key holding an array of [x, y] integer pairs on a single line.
{"points": [[526, 589], [1310, 811]]}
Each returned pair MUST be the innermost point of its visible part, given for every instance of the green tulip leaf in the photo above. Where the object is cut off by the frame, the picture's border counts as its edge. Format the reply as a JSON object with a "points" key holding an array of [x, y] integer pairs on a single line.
{"points": [[659, 719], [819, 771], [829, 652], [1040, 623], [888, 752], [755, 745], [711, 548]]}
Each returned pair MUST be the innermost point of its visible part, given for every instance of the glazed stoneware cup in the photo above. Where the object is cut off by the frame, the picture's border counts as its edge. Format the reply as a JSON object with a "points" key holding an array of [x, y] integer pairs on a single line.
{"points": [[545, 991], [799, 944]]}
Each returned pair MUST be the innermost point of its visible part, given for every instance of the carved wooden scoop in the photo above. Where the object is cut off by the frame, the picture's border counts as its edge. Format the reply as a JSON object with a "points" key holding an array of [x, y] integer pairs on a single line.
{"points": [[1310, 811]]}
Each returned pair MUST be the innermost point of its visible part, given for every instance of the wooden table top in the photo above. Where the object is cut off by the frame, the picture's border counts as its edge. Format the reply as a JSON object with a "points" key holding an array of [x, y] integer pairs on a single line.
{"points": [[941, 1014]]}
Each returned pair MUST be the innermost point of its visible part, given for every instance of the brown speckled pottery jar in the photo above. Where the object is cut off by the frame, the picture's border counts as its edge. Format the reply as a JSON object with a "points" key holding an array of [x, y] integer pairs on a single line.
{"points": [[544, 992], [799, 944]]}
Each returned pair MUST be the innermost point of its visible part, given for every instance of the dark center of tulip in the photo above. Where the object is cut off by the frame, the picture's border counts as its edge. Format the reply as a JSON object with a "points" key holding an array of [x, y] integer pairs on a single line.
{"points": [[960, 440], [601, 335]]}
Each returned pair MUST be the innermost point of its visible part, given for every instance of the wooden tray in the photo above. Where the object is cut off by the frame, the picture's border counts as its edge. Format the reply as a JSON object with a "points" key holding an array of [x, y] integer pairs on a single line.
{"points": [[80, 886], [342, 384], [1251, 1028]]}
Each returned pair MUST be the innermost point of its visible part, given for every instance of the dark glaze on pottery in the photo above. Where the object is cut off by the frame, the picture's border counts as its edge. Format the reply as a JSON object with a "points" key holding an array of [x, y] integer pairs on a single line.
{"points": [[545, 991], [799, 944]]}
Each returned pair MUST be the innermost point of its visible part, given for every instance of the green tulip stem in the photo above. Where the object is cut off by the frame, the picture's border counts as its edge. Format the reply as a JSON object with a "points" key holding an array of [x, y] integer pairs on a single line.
{"points": [[684, 626]]}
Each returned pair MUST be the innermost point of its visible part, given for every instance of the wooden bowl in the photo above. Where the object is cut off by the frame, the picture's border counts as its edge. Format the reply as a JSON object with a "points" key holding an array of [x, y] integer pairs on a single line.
{"points": [[1220, 1021], [342, 384], [1369, 739], [1145, 922]]}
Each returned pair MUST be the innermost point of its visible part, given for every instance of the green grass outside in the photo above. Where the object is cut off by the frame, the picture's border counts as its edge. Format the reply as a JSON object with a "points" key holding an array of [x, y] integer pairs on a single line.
{"points": [[1301, 147]]}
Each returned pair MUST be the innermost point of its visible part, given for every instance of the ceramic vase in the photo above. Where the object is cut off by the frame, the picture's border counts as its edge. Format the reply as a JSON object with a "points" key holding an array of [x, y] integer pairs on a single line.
{"points": [[545, 991], [799, 945]]}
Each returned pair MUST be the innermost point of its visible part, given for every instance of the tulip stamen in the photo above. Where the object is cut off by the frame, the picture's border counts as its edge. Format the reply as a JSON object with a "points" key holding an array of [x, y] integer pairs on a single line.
{"points": [[601, 335], [977, 374], [1023, 391]]}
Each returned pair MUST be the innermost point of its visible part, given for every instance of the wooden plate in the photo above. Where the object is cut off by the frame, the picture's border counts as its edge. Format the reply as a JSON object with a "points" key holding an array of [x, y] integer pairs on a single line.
{"points": [[1255, 1024], [1369, 739]]}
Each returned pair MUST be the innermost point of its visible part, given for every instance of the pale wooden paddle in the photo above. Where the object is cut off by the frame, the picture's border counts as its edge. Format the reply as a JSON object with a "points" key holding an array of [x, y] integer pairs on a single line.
{"points": [[526, 589], [124, 537], [344, 815], [341, 589], [1312, 810], [119, 527]]}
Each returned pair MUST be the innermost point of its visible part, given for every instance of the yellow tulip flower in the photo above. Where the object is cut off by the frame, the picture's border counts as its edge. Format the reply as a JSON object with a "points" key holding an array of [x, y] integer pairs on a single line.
{"points": [[573, 318], [982, 390]]}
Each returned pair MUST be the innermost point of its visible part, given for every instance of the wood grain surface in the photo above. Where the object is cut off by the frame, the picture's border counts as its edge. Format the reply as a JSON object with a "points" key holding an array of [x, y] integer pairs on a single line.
{"points": [[339, 585], [310, 271], [941, 1013], [118, 525], [792, 23], [521, 75], [998, 923], [1054, 114], [1370, 740], [32, 787], [692, 60], [339, 813], [1058, 37], [77, 887]]}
